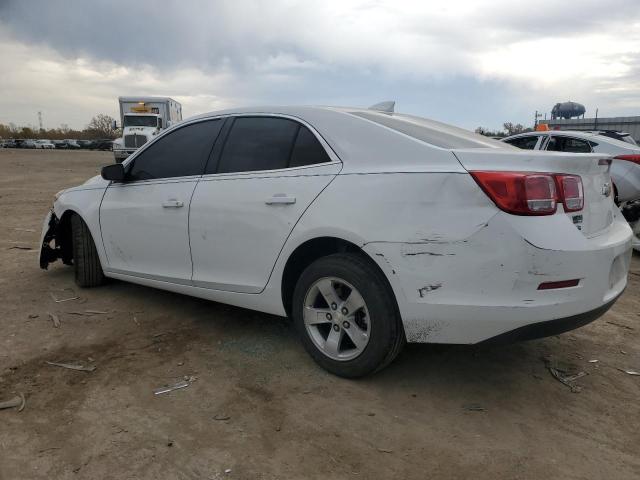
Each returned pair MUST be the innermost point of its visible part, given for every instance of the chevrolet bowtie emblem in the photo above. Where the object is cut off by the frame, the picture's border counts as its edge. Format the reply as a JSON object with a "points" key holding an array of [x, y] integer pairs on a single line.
{"points": [[606, 189]]}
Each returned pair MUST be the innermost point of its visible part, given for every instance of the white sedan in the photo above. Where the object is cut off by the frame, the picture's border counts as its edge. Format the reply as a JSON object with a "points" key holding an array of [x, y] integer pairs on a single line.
{"points": [[625, 169], [368, 228], [45, 144]]}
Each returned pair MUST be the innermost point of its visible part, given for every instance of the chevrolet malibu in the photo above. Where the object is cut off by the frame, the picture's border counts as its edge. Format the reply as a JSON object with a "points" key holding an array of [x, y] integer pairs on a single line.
{"points": [[369, 228]]}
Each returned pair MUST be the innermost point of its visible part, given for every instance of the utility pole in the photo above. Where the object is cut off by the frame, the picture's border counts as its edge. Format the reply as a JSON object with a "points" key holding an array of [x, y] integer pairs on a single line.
{"points": [[595, 124], [535, 119], [40, 120]]}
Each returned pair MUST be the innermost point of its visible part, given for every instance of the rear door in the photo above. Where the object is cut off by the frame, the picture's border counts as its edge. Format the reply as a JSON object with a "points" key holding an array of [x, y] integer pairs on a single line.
{"points": [[258, 184], [144, 220]]}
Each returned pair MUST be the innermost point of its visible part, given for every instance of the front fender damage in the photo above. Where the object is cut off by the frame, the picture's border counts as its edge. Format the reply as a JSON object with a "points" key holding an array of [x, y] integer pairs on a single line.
{"points": [[58, 235]]}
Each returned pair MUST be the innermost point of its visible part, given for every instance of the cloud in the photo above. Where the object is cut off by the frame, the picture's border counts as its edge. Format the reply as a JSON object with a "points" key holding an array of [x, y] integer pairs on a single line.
{"points": [[437, 57]]}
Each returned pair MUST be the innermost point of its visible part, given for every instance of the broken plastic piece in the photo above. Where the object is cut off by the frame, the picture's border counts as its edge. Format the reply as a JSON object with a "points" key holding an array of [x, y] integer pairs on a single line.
{"points": [[17, 401], [81, 368], [170, 388]]}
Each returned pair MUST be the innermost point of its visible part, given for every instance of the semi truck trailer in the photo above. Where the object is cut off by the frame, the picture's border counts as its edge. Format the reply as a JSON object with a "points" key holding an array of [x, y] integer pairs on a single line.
{"points": [[142, 118]]}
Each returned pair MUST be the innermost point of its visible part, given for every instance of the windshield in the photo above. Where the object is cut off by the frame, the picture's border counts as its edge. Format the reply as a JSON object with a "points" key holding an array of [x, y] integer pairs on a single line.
{"points": [[140, 121]]}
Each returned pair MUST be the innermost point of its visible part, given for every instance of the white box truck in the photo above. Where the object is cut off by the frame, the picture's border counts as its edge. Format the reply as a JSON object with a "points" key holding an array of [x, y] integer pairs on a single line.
{"points": [[142, 118]]}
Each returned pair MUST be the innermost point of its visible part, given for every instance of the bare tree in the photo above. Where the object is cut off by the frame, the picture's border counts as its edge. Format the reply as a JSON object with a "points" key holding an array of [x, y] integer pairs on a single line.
{"points": [[102, 126]]}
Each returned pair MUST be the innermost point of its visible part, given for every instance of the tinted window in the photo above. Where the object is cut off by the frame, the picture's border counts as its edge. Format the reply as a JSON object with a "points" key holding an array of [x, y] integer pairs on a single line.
{"points": [[568, 144], [178, 154], [307, 150], [258, 143], [526, 143]]}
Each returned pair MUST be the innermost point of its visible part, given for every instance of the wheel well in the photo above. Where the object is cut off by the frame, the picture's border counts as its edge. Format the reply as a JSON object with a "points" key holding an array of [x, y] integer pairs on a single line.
{"points": [[309, 252]]}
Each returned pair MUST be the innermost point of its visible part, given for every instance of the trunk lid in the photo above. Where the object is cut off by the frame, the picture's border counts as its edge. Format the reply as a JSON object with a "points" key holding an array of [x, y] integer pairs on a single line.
{"points": [[593, 168]]}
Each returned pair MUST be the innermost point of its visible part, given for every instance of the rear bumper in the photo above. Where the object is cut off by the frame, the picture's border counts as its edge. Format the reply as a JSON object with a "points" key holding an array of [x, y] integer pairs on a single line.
{"points": [[485, 286], [550, 327]]}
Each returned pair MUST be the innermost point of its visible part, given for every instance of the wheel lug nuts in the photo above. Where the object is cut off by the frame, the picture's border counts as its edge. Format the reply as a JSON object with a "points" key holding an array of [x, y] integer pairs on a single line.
{"points": [[346, 324], [334, 306], [344, 310], [329, 317], [336, 327]]}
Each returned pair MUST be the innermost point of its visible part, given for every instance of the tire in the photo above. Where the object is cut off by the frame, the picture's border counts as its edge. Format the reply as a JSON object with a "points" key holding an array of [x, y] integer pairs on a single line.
{"points": [[86, 262], [384, 330]]}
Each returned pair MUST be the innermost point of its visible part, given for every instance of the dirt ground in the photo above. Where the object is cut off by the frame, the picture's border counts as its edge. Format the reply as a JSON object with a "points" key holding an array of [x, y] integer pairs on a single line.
{"points": [[257, 407]]}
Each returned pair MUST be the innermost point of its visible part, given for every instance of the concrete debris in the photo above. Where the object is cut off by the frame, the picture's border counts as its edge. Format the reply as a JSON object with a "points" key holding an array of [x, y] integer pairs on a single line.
{"points": [[17, 401], [70, 366]]}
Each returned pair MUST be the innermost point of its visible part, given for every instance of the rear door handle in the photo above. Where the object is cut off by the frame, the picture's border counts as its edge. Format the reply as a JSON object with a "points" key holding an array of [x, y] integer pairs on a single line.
{"points": [[281, 199], [172, 204]]}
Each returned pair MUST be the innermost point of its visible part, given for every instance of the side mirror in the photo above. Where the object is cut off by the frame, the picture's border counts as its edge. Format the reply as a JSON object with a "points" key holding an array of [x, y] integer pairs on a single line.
{"points": [[159, 123], [114, 125], [114, 173]]}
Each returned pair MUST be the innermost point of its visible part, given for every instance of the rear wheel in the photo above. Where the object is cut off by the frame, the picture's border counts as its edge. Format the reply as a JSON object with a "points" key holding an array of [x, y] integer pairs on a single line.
{"points": [[346, 316], [86, 262]]}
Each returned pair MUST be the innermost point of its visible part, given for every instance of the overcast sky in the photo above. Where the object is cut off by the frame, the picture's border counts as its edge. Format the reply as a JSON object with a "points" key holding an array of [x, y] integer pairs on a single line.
{"points": [[469, 63]]}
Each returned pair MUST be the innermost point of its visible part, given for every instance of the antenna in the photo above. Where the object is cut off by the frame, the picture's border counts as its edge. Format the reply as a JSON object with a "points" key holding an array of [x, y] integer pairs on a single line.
{"points": [[386, 107]]}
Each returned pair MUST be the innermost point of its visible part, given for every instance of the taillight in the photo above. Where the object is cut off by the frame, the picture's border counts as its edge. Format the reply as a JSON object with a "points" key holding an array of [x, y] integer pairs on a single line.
{"points": [[629, 158], [571, 192], [520, 193], [523, 193]]}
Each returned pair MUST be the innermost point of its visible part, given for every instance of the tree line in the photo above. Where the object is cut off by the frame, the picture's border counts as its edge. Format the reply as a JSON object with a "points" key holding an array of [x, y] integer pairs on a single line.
{"points": [[509, 129], [100, 126]]}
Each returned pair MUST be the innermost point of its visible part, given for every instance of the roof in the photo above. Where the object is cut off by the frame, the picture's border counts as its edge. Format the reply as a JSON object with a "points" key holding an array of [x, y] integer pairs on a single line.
{"points": [[146, 99]]}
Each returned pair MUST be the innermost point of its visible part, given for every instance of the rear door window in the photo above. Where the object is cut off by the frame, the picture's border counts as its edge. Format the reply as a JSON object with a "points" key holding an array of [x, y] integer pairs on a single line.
{"points": [[526, 143], [180, 153], [307, 150], [268, 143], [568, 144]]}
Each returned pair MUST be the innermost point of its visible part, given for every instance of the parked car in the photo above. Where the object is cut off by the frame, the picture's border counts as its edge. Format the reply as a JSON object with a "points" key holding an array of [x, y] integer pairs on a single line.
{"points": [[369, 229], [11, 143], [72, 144], [22, 143], [86, 144], [60, 144], [45, 144], [102, 144], [625, 169]]}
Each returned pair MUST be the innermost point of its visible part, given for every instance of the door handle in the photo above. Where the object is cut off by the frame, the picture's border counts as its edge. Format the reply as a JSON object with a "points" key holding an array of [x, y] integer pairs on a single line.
{"points": [[281, 199], [172, 204]]}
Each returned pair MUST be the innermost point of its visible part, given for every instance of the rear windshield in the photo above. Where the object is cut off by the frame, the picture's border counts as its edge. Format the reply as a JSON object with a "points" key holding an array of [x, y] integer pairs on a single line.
{"points": [[432, 132]]}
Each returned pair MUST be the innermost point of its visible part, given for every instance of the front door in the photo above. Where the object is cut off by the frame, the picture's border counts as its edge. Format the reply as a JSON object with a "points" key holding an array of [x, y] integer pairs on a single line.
{"points": [[144, 220]]}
